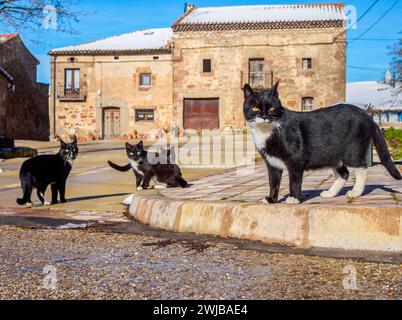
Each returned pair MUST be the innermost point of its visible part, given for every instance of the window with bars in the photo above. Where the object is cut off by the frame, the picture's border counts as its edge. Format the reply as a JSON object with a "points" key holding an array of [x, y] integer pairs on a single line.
{"points": [[257, 74], [145, 79], [307, 104], [307, 63], [144, 115]]}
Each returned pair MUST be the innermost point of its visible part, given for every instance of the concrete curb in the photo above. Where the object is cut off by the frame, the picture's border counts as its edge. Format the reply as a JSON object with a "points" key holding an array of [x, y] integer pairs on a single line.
{"points": [[299, 226]]}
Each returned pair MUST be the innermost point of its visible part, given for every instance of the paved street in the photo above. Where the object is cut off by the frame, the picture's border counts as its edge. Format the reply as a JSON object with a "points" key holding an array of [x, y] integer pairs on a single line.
{"points": [[250, 185], [92, 185]]}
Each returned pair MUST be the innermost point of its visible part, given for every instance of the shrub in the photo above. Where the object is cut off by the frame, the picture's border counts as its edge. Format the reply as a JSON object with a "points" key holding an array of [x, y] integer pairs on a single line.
{"points": [[394, 139]]}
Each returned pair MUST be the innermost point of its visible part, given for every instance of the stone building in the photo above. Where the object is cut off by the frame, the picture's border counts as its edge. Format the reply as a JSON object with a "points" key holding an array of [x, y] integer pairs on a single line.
{"points": [[190, 76], [6, 85], [113, 87], [23, 102]]}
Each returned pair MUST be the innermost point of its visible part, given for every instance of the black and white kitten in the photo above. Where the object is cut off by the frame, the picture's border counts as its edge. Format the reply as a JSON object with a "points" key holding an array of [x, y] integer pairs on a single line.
{"points": [[336, 137], [163, 171], [41, 171]]}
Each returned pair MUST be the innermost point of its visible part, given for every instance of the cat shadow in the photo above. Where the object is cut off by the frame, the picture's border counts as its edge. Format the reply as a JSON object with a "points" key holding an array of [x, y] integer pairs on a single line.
{"points": [[72, 200], [313, 194]]}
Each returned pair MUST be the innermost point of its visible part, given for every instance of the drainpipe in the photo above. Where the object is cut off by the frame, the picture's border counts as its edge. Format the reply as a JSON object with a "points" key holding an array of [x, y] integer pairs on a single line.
{"points": [[54, 94]]}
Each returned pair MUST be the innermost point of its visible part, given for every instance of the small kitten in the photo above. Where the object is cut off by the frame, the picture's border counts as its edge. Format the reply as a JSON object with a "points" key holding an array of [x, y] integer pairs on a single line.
{"points": [[41, 171], [336, 137], [164, 172]]}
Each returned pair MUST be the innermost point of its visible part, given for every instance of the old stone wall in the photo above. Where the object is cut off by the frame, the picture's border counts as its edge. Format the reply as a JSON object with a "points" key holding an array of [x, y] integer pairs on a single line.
{"points": [[27, 112], [282, 51], [3, 104], [113, 83], [14, 53]]}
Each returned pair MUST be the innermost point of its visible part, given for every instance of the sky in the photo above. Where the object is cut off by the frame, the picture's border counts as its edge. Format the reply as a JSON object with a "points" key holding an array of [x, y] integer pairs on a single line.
{"points": [[367, 58]]}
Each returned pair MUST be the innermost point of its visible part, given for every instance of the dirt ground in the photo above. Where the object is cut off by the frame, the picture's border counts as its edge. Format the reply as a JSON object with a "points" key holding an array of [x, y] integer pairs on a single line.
{"points": [[56, 264]]}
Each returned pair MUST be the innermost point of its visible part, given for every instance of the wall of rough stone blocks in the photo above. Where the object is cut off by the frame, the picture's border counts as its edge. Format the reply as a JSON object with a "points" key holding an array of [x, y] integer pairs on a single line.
{"points": [[114, 83], [26, 115], [282, 51], [3, 104], [14, 52]]}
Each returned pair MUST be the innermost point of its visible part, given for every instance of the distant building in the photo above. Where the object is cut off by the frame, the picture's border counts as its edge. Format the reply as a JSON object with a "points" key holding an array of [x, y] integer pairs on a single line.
{"points": [[24, 110], [190, 75], [6, 86], [382, 100]]}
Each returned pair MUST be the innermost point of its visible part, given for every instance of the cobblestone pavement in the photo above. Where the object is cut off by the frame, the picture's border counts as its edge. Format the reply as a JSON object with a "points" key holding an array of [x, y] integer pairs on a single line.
{"points": [[251, 185], [94, 265]]}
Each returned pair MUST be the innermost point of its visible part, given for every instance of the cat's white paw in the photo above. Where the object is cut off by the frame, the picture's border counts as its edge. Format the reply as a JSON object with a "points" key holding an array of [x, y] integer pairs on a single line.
{"points": [[29, 205], [353, 194], [140, 188], [327, 194], [292, 200], [160, 186], [47, 204], [265, 201]]}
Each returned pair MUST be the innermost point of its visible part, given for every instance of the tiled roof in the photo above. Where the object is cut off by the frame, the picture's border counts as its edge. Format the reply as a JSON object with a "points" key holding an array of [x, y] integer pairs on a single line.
{"points": [[6, 37], [6, 75], [262, 17], [138, 41]]}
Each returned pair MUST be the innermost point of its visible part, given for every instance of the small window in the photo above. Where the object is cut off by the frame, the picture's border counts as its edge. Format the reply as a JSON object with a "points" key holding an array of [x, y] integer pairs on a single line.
{"points": [[145, 79], [207, 66], [72, 82], [307, 104], [307, 63], [257, 75], [116, 58], [144, 115]]}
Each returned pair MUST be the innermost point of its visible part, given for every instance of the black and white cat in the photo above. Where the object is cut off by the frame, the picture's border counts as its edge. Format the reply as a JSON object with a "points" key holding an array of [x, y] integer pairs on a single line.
{"points": [[41, 171], [163, 171], [336, 137]]}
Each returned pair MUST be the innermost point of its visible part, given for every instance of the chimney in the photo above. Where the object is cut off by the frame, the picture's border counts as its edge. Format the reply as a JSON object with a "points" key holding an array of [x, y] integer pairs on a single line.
{"points": [[188, 7]]}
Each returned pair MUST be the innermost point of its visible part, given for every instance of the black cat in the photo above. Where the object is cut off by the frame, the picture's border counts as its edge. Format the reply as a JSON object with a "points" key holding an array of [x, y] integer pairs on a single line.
{"points": [[163, 171], [41, 171], [336, 137]]}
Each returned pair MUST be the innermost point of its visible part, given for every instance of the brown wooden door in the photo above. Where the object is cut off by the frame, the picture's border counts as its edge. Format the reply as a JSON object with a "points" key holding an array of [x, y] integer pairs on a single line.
{"points": [[201, 114], [111, 122]]}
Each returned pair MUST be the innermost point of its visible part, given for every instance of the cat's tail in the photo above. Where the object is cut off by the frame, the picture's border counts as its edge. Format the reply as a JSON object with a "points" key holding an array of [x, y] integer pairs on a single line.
{"points": [[385, 156], [183, 183], [27, 190], [118, 168]]}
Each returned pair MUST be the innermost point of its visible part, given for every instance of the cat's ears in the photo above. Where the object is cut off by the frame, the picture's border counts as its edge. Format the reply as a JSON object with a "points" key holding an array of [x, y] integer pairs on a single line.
{"points": [[274, 89], [248, 91], [128, 146], [62, 143], [74, 139]]}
